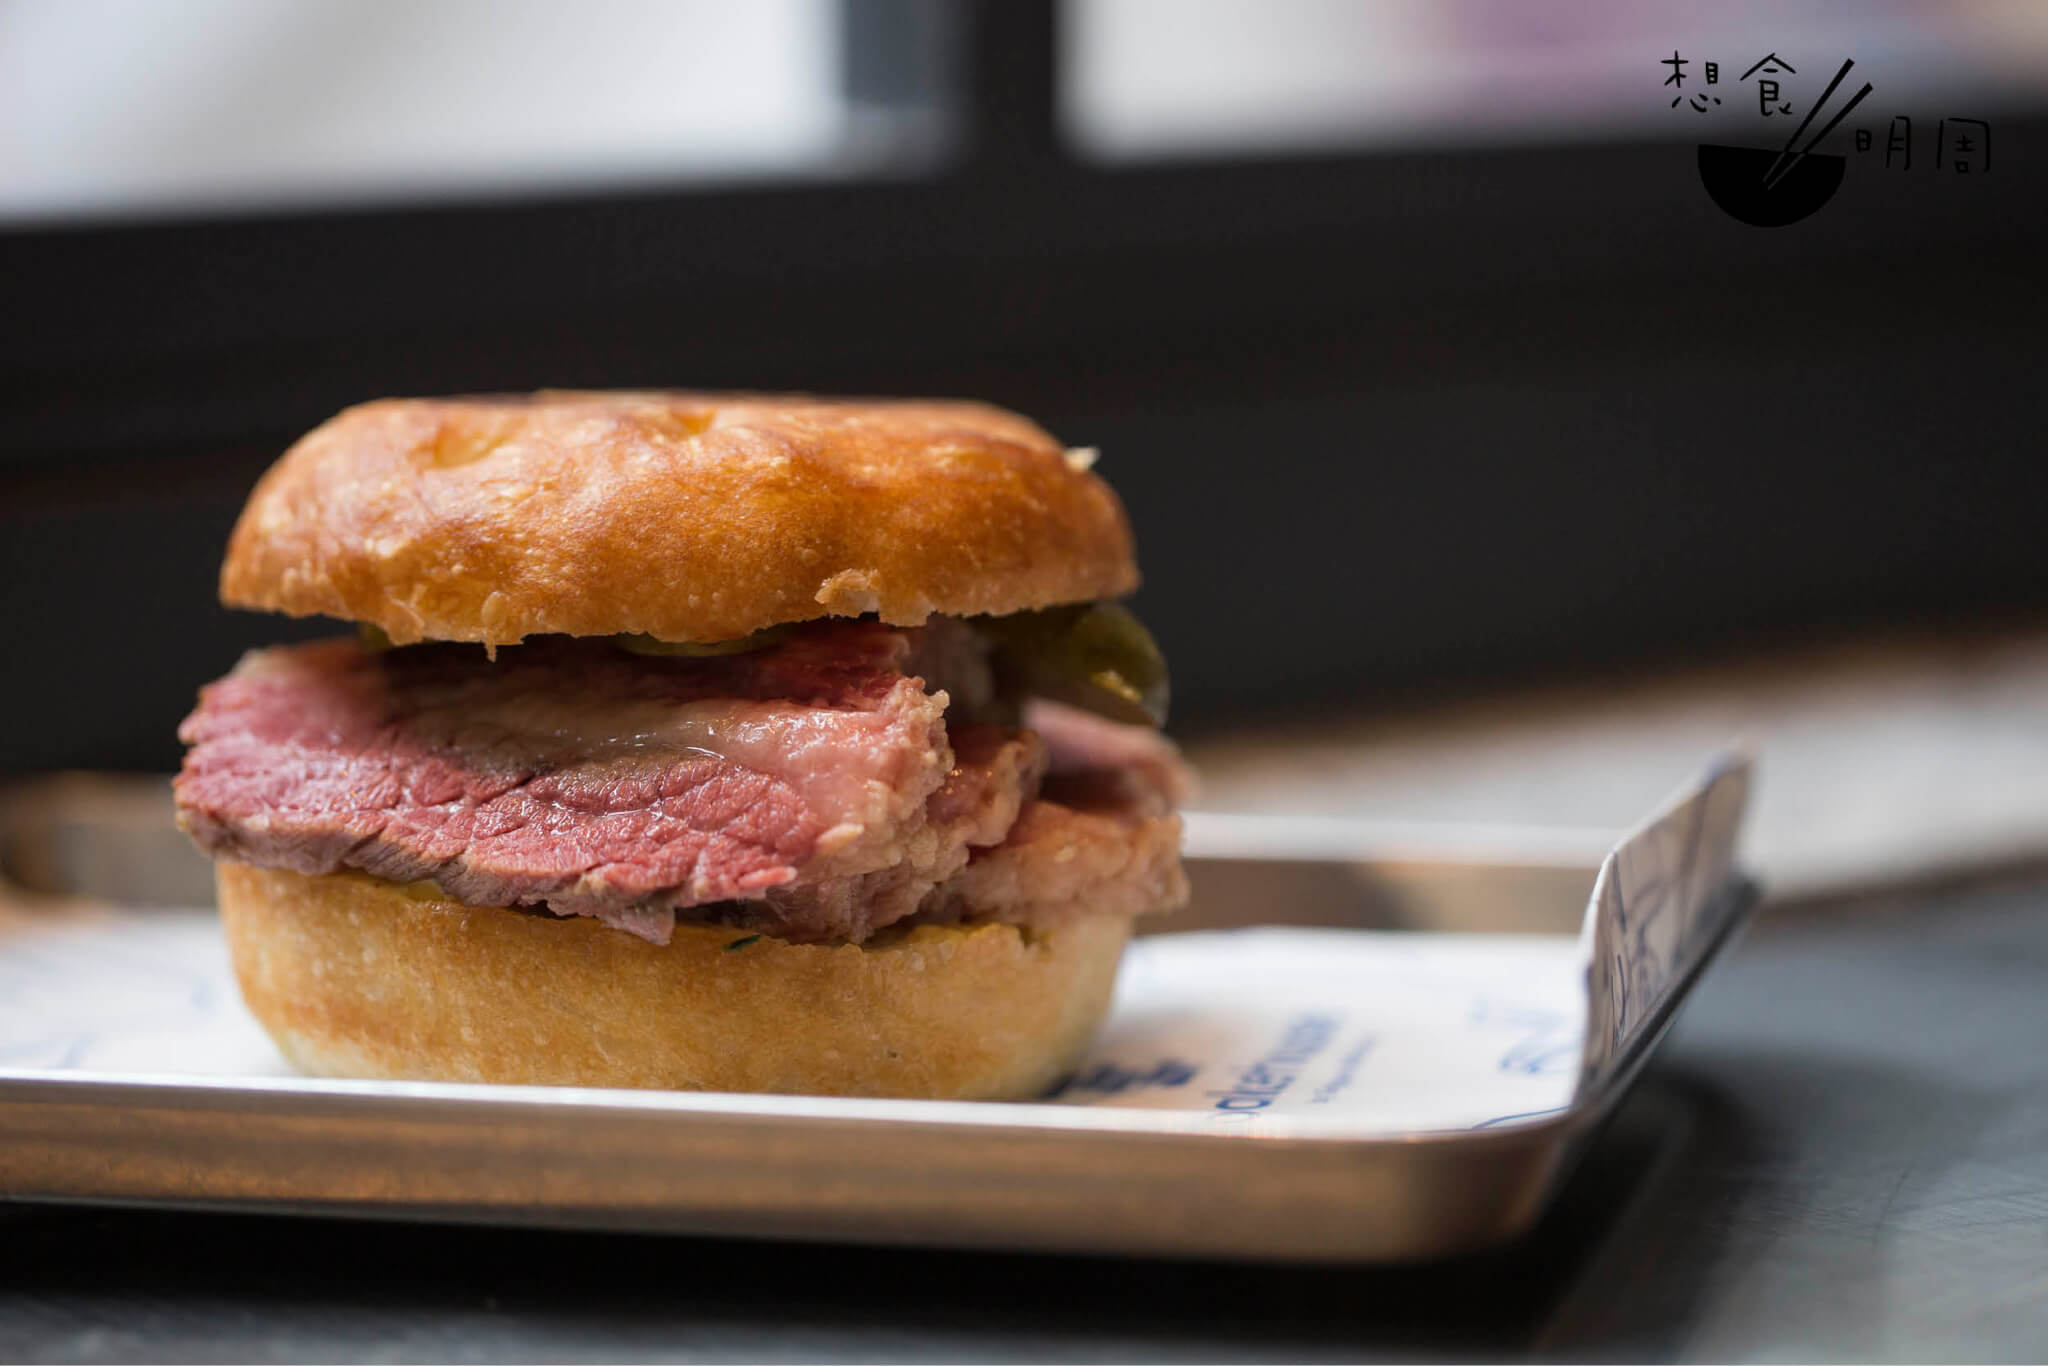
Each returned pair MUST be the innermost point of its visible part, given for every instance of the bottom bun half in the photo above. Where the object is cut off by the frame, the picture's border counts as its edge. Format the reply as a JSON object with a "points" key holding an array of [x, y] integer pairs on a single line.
{"points": [[354, 977]]}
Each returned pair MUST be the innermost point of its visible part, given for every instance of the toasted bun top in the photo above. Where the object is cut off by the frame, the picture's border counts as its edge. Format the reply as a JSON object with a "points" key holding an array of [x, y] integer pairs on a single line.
{"points": [[690, 517]]}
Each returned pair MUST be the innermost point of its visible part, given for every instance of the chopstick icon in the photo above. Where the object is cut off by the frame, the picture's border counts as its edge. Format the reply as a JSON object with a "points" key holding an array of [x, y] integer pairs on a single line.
{"points": [[1782, 167]]}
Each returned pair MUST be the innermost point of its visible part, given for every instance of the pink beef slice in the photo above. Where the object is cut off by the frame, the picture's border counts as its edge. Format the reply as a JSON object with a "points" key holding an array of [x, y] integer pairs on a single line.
{"points": [[1093, 842], [1081, 742], [574, 775], [1012, 845], [995, 772]]}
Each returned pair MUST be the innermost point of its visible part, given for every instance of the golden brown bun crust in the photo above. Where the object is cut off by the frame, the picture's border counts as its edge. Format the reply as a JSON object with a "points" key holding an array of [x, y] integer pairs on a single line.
{"points": [[684, 516], [359, 978]]}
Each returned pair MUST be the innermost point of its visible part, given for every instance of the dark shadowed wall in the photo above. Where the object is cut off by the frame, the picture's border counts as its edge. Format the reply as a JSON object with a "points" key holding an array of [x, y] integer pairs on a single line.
{"points": [[1388, 422]]}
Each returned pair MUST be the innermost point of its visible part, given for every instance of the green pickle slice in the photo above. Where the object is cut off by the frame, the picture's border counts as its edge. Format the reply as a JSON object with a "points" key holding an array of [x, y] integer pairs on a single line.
{"points": [[1096, 656]]}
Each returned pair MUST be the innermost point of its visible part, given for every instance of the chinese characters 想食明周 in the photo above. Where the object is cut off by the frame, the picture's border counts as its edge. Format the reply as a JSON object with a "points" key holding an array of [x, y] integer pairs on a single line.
{"points": [[1961, 146]]}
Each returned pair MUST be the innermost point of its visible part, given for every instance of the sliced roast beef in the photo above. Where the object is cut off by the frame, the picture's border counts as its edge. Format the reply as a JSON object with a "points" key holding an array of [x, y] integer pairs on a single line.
{"points": [[810, 789], [1101, 842], [1082, 742], [995, 772], [570, 772]]}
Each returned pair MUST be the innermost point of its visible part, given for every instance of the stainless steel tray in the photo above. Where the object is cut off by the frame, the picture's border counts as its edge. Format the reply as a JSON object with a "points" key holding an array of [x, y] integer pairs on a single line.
{"points": [[1155, 1166]]}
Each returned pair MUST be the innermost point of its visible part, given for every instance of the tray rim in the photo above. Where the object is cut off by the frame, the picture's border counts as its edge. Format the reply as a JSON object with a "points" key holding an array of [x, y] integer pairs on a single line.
{"points": [[1732, 906], [750, 1166]]}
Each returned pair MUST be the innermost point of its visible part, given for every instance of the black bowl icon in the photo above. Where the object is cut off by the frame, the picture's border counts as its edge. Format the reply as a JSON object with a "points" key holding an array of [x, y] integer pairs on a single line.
{"points": [[1734, 177]]}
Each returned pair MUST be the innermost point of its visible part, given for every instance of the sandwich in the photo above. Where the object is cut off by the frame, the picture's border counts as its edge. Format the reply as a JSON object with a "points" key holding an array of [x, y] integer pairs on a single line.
{"points": [[689, 741]]}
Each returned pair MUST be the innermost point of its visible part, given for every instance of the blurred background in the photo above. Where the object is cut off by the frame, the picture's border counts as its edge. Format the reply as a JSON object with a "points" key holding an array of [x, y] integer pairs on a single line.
{"points": [[1483, 469]]}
